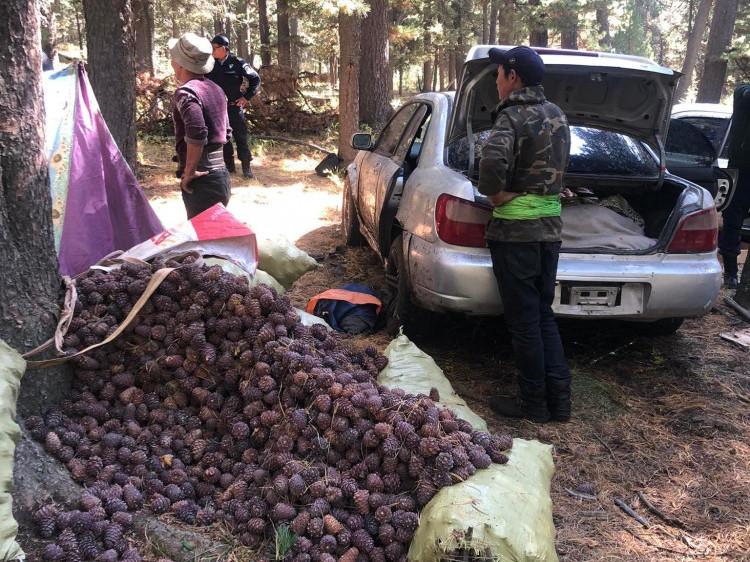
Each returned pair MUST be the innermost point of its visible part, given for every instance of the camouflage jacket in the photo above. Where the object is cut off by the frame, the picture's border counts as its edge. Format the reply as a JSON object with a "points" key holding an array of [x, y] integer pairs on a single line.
{"points": [[526, 151]]}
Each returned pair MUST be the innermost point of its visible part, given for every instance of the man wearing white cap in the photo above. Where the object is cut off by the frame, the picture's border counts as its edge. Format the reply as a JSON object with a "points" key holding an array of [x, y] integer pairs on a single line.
{"points": [[201, 126]]}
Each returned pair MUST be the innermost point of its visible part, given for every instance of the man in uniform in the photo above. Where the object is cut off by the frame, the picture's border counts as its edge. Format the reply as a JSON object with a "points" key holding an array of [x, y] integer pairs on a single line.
{"points": [[229, 73], [739, 157], [521, 172]]}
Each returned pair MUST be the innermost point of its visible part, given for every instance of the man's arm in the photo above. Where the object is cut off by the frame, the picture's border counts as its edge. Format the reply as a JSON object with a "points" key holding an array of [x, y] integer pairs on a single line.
{"points": [[194, 152], [253, 80], [494, 166]]}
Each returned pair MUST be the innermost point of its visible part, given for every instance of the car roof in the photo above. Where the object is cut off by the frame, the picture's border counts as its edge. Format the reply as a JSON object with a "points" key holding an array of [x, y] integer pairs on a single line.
{"points": [[707, 109]]}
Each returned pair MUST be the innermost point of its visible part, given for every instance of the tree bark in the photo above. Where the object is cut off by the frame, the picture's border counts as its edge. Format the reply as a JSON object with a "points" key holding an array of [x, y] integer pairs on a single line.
{"points": [[485, 21], [264, 33], [374, 75], [493, 22], [538, 33], [49, 33], [282, 26], [242, 32], [110, 38], [175, 11], [505, 23], [602, 19], [294, 44], [569, 27], [143, 20], [715, 69], [350, 27], [694, 41], [29, 291]]}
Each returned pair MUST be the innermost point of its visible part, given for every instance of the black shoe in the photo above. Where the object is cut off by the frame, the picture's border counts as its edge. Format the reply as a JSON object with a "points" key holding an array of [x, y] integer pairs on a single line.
{"points": [[730, 281], [246, 171], [512, 407], [558, 399]]}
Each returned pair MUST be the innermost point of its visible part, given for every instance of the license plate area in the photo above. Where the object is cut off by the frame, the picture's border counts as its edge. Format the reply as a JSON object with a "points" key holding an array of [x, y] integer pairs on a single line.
{"points": [[590, 295]]}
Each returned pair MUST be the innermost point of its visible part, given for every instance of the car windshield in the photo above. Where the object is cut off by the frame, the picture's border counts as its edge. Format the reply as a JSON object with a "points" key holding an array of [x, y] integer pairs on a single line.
{"points": [[594, 151]]}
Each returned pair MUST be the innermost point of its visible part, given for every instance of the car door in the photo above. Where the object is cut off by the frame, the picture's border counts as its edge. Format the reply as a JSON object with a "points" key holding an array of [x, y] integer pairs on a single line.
{"points": [[394, 173], [691, 155], [372, 166]]}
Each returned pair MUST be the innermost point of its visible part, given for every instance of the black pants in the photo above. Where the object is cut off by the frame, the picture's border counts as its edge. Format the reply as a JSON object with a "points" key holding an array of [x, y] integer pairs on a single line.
{"points": [[239, 133], [207, 191], [526, 273], [732, 218]]}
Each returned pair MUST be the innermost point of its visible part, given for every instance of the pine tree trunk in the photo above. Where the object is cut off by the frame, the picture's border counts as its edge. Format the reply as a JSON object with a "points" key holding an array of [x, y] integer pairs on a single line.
{"points": [[49, 34], [569, 30], [441, 68], [143, 20], [350, 27], [711, 84], [602, 19], [493, 22], [29, 291], [264, 33], [374, 75], [110, 38], [427, 65], [506, 20], [243, 40], [538, 34], [695, 39], [175, 25], [295, 45], [485, 21], [282, 26]]}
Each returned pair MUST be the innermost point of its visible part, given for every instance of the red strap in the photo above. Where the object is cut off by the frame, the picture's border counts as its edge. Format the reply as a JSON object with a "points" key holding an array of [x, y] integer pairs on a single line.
{"points": [[344, 295]]}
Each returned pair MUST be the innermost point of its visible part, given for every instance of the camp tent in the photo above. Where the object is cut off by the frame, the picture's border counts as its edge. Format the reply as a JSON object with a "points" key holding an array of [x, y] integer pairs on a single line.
{"points": [[97, 205]]}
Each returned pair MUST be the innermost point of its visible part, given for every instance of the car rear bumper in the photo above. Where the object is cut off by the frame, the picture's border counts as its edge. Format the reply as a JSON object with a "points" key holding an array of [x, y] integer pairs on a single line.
{"points": [[447, 278]]}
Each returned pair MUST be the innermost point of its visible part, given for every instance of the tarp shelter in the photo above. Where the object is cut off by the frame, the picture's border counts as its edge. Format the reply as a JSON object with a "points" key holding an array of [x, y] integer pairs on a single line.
{"points": [[97, 205]]}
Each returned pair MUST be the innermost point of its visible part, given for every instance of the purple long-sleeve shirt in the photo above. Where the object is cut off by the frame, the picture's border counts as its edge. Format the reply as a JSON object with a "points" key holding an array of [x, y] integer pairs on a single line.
{"points": [[200, 115]]}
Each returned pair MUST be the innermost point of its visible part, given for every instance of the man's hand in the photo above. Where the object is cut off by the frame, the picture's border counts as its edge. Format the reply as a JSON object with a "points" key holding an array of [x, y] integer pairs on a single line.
{"points": [[241, 101], [502, 197], [187, 177]]}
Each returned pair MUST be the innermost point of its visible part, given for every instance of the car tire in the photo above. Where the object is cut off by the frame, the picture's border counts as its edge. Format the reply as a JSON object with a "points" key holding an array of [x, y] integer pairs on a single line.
{"points": [[401, 313], [663, 327], [349, 220]]}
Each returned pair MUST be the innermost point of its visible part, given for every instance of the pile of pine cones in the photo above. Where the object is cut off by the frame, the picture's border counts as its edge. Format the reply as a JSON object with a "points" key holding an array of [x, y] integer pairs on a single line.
{"points": [[217, 404]]}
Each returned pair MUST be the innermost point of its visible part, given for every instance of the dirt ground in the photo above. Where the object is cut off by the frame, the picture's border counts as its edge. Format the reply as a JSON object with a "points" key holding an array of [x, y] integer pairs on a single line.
{"points": [[663, 417]]}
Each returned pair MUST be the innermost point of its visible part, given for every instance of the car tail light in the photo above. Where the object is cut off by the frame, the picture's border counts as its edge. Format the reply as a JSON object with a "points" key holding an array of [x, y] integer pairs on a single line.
{"points": [[461, 222], [697, 233]]}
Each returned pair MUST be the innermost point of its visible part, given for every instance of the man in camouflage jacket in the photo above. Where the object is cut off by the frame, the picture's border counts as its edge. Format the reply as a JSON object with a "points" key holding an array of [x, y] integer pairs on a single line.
{"points": [[521, 172]]}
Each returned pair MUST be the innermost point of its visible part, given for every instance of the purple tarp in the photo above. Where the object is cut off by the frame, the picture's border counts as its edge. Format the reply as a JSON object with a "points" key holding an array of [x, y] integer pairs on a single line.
{"points": [[106, 209]]}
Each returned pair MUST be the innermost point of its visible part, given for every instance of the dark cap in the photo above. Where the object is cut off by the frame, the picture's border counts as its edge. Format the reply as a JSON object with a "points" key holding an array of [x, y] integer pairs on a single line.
{"points": [[524, 60], [221, 41]]}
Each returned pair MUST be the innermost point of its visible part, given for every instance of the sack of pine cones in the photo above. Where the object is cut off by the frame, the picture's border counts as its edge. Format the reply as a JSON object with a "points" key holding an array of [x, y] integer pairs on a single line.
{"points": [[12, 367], [501, 513]]}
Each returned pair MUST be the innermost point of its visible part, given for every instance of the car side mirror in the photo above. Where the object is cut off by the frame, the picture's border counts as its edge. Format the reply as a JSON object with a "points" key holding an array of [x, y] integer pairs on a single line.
{"points": [[362, 141]]}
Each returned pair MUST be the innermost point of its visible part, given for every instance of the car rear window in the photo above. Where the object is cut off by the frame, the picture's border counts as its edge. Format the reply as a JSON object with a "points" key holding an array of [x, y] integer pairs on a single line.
{"points": [[594, 151]]}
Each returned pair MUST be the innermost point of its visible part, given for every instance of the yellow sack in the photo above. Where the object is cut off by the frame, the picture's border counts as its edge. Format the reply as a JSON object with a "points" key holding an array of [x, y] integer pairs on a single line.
{"points": [[12, 367], [504, 511]]}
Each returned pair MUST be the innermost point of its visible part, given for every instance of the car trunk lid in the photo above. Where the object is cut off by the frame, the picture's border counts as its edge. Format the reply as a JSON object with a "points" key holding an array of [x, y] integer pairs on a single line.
{"points": [[619, 93]]}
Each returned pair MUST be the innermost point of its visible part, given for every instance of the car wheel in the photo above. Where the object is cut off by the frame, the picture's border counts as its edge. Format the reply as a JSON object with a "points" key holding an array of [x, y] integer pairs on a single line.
{"points": [[349, 220], [664, 327]]}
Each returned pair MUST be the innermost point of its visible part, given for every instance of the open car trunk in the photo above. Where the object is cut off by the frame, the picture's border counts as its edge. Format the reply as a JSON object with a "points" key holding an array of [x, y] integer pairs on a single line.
{"points": [[620, 216]]}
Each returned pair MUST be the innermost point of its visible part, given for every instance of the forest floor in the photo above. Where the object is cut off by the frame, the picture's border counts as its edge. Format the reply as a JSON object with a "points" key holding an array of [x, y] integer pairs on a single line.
{"points": [[666, 417]]}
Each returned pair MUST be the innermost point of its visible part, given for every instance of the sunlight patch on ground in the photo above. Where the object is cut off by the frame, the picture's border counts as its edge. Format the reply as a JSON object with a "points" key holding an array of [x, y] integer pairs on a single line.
{"points": [[302, 164]]}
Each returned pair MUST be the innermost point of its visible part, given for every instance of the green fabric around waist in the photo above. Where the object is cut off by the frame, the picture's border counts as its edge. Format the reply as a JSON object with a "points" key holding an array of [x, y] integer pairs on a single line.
{"points": [[527, 207]]}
